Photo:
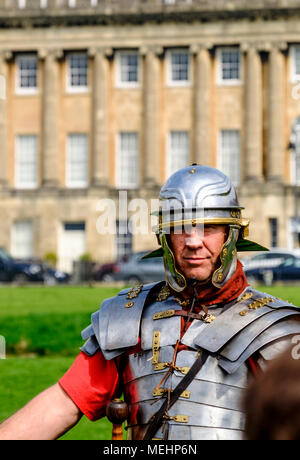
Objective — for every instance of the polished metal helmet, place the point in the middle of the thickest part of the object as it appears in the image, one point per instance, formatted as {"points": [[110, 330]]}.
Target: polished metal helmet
{"points": [[198, 195]]}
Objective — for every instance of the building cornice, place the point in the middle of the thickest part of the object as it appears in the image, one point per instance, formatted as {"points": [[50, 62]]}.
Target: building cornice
{"points": [[139, 12]]}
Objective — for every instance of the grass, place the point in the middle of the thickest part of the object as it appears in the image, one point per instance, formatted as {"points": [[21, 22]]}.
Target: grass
{"points": [[48, 321], [23, 378], [45, 322]]}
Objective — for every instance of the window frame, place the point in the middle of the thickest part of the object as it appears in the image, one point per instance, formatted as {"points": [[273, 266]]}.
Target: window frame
{"points": [[82, 184], [127, 84], [169, 170], [31, 185], [76, 89], [31, 90], [180, 83], [294, 78], [231, 81], [14, 242], [123, 240], [127, 186], [220, 150]]}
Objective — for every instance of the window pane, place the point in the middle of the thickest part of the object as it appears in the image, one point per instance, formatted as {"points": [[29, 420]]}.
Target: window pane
{"points": [[178, 150], [230, 155], [297, 60], [297, 153], [77, 160], [27, 72], [179, 66], [22, 239], [123, 239], [128, 160], [273, 225], [26, 161], [78, 70], [129, 67], [230, 61]]}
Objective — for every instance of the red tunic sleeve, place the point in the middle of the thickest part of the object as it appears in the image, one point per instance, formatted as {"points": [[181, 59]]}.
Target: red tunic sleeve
{"points": [[91, 383]]}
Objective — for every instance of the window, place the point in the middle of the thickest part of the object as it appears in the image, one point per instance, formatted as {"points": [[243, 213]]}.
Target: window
{"points": [[26, 161], [123, 239], [21, 4], [43, 3], [229, 65], [26, 73], [178, 151], [273, 225], [127, 162], [127, 68], [295, 153], [77, 75], [295, 63], [229, 154], [22, 239], [178, 67], [77, 161]]}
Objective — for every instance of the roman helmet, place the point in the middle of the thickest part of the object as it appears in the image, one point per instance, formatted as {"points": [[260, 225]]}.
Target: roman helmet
{"points": [[198, 195]]}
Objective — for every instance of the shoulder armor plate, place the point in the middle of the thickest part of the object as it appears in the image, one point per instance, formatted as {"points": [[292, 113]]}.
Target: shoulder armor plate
{"points": [[252, 322], [116, 325]]}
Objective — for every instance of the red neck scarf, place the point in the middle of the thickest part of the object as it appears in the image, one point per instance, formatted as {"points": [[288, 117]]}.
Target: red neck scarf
{"points": [[210, 295]]}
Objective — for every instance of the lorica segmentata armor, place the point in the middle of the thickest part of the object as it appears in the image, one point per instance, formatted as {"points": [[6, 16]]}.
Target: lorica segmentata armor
{"points": [[210, 407]]}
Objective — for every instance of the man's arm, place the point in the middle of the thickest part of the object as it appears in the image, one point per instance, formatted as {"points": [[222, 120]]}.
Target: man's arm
{"points": [[47, 416]]}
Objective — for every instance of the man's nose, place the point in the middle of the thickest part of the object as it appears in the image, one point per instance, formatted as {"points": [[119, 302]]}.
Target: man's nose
{"points": [[194, 240]]}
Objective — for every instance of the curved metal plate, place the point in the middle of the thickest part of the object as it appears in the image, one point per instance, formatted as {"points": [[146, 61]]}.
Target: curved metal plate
{"points": [[241, 341], [229, 323], [281, 329]]}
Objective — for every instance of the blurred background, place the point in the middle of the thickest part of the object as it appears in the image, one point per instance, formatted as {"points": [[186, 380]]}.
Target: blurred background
{"points": [[103, 96]]}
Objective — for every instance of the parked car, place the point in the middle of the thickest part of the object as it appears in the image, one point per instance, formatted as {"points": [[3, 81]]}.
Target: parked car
{"points": [[25, 270], [53, 276], [286, 271], [137, 270], [268, 259], [105, 272], [7, 266]]}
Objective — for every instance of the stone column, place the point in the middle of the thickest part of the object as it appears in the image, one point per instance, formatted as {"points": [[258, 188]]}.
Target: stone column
{"points": [[253, 161], [50, 117], [100, 117], [3, 121], [275, 165], [202, 105], [151, 96]]}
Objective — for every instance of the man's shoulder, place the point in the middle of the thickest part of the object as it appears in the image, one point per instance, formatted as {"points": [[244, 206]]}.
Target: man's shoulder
{"points": [[115, 325], [255, 320]]}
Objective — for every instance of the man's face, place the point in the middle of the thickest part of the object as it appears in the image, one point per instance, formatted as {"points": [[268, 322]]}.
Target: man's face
{"points": [[197, 249]]}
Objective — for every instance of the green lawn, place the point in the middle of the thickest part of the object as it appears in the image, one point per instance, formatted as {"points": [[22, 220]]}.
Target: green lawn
{"points": [[42, 327], [23, 378], [48, 320]]}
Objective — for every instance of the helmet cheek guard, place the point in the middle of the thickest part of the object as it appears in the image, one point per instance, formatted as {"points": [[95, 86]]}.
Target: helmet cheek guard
{"points": [[201, 195], [228, 257], [173, 277]]}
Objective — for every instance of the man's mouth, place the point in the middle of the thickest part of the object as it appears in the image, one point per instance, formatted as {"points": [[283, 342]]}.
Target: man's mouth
{"points": [[194, 259]]}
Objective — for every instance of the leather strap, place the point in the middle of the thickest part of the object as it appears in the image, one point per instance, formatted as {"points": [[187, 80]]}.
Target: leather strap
{"points": [[185, 313], [158, 418]]}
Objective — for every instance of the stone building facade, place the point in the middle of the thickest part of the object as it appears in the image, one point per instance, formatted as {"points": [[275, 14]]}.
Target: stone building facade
{"points": [[103, 96]]}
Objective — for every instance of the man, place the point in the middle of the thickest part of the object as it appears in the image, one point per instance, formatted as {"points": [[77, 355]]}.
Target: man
{"points": [[181, 350]]}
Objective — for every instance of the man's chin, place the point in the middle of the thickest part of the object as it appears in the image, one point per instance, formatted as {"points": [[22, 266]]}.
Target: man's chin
{"points": [[201, 277]]}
